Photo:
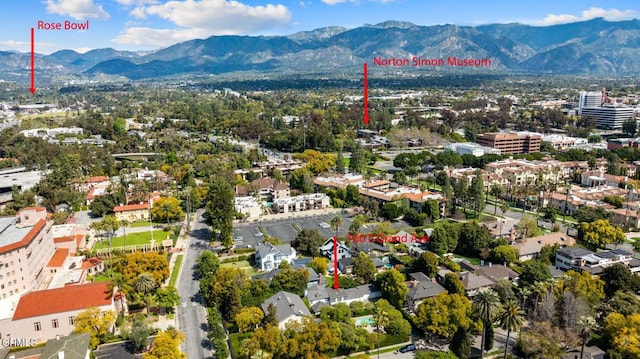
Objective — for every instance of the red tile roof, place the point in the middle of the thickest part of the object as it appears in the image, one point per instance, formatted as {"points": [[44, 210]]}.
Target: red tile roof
{"points": [[60, 300], [57, 260], [77, 238], [91, 262], [37, 209], [30, 236], [131, 207]]}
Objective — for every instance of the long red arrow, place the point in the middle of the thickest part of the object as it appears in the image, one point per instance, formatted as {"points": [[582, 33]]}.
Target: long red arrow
{"points": [[366, 96], [33, 64]]}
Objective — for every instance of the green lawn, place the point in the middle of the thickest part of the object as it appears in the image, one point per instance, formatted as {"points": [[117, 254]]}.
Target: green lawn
{"points": [[176, 269], [244, 265], [474, 261], [146, 224], [101, 278], [133, 239]]}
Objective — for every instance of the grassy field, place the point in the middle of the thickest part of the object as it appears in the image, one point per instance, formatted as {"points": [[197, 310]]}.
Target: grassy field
{"points": [[133, 239], [176, 269], [244, 265]]}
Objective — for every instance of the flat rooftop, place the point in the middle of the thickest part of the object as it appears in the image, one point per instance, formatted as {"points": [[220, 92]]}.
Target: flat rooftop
{"points": [[10, 233]]}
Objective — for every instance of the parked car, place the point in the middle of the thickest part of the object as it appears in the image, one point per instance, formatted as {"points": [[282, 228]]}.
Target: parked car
{"points": [[408, 348]]}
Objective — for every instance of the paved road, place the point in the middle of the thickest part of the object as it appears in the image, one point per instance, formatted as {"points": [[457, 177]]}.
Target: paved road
{"points": [[192, 319]]}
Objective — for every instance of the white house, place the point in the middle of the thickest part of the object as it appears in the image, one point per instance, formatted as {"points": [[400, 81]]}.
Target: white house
{"points": [[326, 250], [269, 257]]}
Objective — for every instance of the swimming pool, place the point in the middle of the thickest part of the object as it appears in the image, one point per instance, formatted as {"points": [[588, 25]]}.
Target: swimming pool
{"points": [[363, 322]]}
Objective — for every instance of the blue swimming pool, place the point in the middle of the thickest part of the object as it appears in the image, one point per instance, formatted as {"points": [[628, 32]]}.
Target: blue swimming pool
{"points": [[363, 322]]}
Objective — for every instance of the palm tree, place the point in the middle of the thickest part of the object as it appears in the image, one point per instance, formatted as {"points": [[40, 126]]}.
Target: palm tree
{"points": [[124, 223], [380, 319], [496, 191], [511, 319], [335, 223], [145, 283], [586, 324], [486, 306], [123, 286]]}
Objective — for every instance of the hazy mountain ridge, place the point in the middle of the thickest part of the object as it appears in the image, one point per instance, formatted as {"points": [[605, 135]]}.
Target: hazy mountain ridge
{"points": [[595, 47]]}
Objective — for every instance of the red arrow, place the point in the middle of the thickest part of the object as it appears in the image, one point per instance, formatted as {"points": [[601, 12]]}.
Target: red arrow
{"points": [[33, 64], [336, 281], [366, 96]]}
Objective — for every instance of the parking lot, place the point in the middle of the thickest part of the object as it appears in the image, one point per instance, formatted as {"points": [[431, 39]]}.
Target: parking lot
{"points": [[246, 234]]}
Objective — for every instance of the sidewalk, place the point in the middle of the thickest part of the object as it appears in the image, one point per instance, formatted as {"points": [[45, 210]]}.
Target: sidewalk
{"points": [[373, 351], [180, 248]]}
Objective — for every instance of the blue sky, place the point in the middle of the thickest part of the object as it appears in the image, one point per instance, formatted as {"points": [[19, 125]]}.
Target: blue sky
{"points": [[152, 24]]}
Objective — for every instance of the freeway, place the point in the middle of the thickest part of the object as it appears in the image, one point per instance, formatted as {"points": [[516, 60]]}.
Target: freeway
{"points": [[191, 313]]}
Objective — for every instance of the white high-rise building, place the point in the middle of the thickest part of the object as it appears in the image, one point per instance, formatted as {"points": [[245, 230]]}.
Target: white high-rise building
{"points": [[590, 99], [609, 116]]}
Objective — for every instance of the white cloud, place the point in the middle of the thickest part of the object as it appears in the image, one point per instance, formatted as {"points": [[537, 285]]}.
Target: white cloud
{"points": [[200, 19], [221, 15], [591, 13], [136, 2], [77, 9], [148, 37]]}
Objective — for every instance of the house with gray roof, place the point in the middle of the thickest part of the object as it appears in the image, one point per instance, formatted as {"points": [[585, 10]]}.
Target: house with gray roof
{"points": [[289, 307], [474, 282], [421, 287], [529, 248], [269, 256], [320, 296], [568, 257], [314, 278]]}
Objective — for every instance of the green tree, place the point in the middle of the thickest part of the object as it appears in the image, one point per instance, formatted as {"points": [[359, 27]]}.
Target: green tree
{"points": [[359, 160], [139, 335], [93, 321], [461, 343], [166, 345], [363, 268], [453, 284], [476, 193], [528, 227], [623, 302], [504, 254], [308, 241], [619, 277], [533, 271], [226, 291], [249, 318], [427, 263], [584, 286], [473, 238], [167, 298], [220, 210], [335, 223], [207, 264], [599, 233], [486, 306], [340, 165], [624, 332], [431, 208], [134, 264], [122, 286], [144, 284], [302, 179], [391, 211], [444, 314], [271, 317], [167, 209], [511, 319], [630, 127], [393, 287], [435, 355], [319, 265]]}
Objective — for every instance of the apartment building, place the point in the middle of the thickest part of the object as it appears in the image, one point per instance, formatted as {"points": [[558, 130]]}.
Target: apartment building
{"points": [[43, 315], [510, 143], [26, 246]]}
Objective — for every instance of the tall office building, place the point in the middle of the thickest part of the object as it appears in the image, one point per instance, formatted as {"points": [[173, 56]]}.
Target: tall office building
{"points": [[590, 99], [607, 115]]}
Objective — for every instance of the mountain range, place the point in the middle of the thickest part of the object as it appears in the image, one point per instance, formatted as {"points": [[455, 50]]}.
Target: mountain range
{"points": [[594, 47]]}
